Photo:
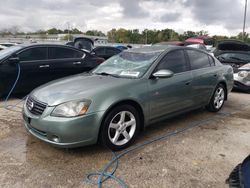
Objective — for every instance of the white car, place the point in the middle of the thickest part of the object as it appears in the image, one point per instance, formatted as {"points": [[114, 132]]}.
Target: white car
{"points": [[8, 44], [242, 78], [2, 47]]}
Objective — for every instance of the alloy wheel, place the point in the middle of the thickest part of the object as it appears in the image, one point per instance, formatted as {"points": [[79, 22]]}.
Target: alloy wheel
{"points": [[122, 128], [219, 97]]}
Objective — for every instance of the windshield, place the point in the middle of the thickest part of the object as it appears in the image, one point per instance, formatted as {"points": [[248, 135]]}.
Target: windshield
{"points": [[235, 57], [8, 51], [127, 64]]}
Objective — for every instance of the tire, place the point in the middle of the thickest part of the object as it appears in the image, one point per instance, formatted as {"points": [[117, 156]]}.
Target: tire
{"points": [[218, 99], [120, 127]]}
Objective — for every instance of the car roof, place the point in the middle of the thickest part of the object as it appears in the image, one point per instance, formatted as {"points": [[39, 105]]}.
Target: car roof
{"points": [[175, 43], [42, 44], [152, 49], [105, 47], [27, 45]]}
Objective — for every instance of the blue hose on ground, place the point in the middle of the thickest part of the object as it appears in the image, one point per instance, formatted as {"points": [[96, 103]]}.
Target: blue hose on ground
{"points": [[105, 175], [10, 107]]}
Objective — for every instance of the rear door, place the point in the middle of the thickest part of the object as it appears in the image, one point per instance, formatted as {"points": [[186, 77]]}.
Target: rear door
{"points": [[67, 61], [169, 95], [204, 76]]}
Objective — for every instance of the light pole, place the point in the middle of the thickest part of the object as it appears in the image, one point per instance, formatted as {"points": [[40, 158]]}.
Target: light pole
{"points": [[68, 26], [146, 36], [244, 23]]}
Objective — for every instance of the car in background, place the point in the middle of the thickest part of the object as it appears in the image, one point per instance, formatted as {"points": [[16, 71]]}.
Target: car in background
{"points": [[234, 58], [105, 51], [233, 52], [173, 43], [197, 46], [231, 46], [41, 63], [121, 47], [205, 40], [2, 47], [242, 78], [239, 177], [8, 44], [82, 43], [127, 92]]}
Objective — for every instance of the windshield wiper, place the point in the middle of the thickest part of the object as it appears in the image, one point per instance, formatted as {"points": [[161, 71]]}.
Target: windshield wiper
{"points": [[107, 74]]}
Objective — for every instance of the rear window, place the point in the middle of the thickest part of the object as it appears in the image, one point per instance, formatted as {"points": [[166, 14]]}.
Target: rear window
{"points": [[112, 51], [198, 59], [62, 53], [99, 51]]}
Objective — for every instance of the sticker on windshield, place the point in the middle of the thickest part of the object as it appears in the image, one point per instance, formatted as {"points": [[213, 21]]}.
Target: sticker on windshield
{"points": [[130, 73]]}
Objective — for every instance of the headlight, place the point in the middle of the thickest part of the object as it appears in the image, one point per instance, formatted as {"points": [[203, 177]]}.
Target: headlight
{"points": [[243, 74], [71, 109]]}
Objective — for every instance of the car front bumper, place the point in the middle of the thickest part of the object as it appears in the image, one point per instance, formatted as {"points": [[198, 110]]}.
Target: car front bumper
{"points": [[241, 86], [241, 83], [64, 132]]}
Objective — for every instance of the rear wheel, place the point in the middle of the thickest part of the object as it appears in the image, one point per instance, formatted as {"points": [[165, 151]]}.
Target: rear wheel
{"points": [[120, 127], [218, 99]]}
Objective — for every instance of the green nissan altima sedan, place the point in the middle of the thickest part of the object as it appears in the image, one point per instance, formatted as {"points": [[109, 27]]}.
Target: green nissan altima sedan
{"points": [[126, 93]]}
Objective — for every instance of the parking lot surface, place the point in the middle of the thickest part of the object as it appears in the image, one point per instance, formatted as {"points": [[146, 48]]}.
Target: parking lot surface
{"points": [[201, 157]]}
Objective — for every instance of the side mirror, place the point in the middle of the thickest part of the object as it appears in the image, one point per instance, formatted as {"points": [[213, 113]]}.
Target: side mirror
{"points": [[14, 60], [163, 74]]}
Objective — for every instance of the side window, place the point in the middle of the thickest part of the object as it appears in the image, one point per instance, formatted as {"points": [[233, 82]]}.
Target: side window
{"points": [[33, 54], [211, 60], [111, 51], [64, 53], [174, 61], [99, 51], [198, 59]]}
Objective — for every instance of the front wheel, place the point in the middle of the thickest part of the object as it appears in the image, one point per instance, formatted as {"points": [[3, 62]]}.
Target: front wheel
{"points": [[120, 127], [218, 99]]}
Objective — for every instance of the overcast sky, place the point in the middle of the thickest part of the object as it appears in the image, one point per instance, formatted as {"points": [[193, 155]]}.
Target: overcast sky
{"points": [[221, 17]]}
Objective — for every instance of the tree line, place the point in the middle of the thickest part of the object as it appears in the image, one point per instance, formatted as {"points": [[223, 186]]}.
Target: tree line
{"points": [[133, 36]]}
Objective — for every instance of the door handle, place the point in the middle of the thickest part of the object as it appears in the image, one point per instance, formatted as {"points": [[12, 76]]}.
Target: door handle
{"points": [[215, 75], [44, 66], [188, 83], [77, 63]]}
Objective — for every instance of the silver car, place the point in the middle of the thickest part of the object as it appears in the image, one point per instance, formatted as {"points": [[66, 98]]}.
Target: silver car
{"points": [[242, 78]]}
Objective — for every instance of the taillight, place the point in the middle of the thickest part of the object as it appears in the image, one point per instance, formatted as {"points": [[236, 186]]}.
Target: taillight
{"points": [[99, 61]]}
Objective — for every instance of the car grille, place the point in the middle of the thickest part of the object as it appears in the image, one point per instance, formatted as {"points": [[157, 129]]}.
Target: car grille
{"points": [[35, 107]]}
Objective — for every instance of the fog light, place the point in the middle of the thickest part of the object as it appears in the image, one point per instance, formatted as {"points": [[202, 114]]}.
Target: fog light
{"points": [[55, 138]]}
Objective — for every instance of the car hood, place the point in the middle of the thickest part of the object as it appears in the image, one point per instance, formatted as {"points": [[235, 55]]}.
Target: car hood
{"points": [[82, 86], [233, 45]]}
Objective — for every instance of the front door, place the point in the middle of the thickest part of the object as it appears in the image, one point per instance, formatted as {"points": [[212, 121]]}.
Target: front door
{"points": [[34, 68], [169, 95]]}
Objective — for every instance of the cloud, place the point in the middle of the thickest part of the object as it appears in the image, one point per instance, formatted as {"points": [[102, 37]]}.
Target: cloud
{"points": [[133, 9], [218, 17], [170, 17], [228, 13]]}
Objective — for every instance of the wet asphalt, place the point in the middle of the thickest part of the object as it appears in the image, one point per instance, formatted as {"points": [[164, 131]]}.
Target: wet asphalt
{"points": [[201, 157]]}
